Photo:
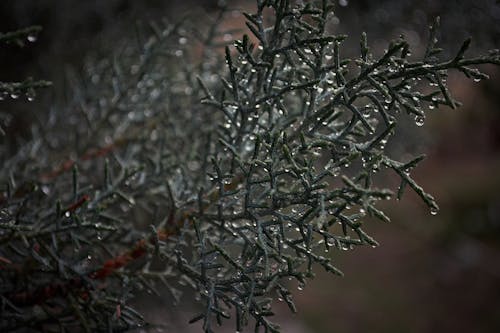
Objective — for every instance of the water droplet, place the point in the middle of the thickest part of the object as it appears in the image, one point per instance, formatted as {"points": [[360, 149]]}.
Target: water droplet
{"points": [[14, 95], [343, 3], [366, 113], [31, 38], [419, 120], [434, 211], [248, 146], [30, 95]]}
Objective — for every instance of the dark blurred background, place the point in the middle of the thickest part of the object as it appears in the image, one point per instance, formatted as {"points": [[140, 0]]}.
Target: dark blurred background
{"points": [[431, 273]]}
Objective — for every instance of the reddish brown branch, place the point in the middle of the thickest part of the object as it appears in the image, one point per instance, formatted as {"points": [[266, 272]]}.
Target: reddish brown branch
{"points": [[94, 153], [113, 264], [74, 206], [139, 250], [45, 293], [89, 155], [5, 260]]}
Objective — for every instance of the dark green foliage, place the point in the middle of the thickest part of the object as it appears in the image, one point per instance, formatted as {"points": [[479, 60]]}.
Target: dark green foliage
{"points": [[139, 186], [27, 87], [15, 89]]}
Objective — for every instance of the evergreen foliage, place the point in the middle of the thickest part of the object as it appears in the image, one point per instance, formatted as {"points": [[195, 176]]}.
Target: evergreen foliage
{"points": [[230, 173], [27, 87]]}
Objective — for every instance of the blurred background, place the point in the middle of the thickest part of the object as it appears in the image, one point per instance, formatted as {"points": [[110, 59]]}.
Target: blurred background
{"points": [[431, 273]]}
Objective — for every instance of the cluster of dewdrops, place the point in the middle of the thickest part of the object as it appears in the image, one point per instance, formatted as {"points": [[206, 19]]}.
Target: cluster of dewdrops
{"points": [[15, 93]]}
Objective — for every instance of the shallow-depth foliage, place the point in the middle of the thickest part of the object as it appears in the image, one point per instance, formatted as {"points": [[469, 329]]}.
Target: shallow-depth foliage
{"points": [[27, 87], [178, 163]]}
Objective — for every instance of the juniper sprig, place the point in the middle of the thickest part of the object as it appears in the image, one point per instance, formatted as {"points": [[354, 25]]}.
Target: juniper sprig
{"points": [[228, 171]]}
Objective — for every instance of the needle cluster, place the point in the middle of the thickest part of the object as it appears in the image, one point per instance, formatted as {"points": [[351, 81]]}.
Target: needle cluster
{"points": [[230, 171]]}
